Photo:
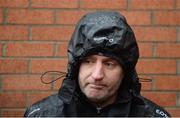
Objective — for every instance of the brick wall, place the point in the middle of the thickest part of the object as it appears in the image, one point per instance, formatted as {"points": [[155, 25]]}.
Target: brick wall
{"points": [[34, 36]]}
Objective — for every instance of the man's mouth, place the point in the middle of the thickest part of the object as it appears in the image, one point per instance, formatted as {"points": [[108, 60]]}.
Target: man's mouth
{"points": [[97, 86]]}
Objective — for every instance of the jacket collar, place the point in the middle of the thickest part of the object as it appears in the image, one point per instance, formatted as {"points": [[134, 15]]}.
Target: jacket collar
{"points": [[66, 92], [118, 108]]}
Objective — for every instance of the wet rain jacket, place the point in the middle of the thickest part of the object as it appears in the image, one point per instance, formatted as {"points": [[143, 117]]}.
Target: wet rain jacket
{"points": [[105, 33]]}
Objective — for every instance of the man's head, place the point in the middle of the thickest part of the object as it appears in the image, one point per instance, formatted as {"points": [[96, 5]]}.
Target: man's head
{"points": [[97, 36]]}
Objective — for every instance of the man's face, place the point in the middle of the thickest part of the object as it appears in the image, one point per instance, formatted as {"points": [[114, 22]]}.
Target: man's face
{"points": [[100, 78]]}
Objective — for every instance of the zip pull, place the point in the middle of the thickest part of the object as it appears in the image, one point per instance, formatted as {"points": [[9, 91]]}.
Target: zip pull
{"points": [[98, 110]]}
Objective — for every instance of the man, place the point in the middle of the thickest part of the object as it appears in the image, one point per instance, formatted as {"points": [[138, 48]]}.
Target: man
{"points": [[101, 78]]}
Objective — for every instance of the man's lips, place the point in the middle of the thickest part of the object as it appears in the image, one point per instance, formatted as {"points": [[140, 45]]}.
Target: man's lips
{"points": [[97, 86]]}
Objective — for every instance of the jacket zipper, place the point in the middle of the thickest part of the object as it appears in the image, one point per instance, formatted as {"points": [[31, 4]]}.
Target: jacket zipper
{"points": [[98, 110]]}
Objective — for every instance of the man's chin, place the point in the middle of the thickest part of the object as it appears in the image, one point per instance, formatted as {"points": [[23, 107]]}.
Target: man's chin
{"points": [[96, 98]]}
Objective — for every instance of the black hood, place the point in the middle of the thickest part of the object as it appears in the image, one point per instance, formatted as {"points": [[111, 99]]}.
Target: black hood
{"points": [[105, 32], [109, 34]]}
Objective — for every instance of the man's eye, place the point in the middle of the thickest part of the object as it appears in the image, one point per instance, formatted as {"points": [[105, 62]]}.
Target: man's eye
{"points": [[87, 61], [110, 65]]}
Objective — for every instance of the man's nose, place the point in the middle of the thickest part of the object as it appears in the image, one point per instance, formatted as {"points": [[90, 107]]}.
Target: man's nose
{"points": [[97, 72]]}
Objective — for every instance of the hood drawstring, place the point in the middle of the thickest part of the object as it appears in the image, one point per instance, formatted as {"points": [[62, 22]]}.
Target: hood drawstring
{"points": [[63, 74], [44, 77], [144, 79]]}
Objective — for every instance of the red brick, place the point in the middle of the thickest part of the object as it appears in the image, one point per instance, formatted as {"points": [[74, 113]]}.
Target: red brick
{"points": [[167, 83], [58, 83], [13, 113], [29, 49], [137, 17], [34, 97], [12, 100], [174, 112], [146, 84], [14, 3], [156, 66], [41, 66], [1, 49], [152, 4], [155, 34], [24, 82], [54, 3], [52, 33], [161, 98], [145, 49], [62, 49], [13, 66], [103, 4], [168, 50], [167, 18], [1, 16], [178, 6], [21, 16], [69, 17], [13, 33]]}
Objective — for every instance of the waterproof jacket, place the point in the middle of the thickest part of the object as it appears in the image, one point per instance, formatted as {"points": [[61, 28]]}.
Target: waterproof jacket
{"points": [[64, 104], [108, 34]]}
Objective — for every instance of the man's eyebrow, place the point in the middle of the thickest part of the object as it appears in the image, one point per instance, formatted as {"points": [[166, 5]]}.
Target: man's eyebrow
{"points": [[111, 60], [88, 57]]}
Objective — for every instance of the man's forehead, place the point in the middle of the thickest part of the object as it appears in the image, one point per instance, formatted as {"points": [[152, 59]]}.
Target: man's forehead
{"points": [[102, 57]]}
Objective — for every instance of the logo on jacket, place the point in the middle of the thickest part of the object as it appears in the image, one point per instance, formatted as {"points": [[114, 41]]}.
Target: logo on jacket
{"points": [[99, 39], [158, 111]]}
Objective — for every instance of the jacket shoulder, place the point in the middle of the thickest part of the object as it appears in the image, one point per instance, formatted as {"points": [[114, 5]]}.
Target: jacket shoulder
{"points": [[49, 106], [156, 110]]}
